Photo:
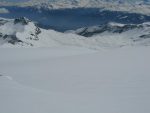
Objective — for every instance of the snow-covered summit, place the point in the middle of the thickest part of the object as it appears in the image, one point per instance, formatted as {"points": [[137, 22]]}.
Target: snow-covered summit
{"points": [[22, 32], [18, 31]]}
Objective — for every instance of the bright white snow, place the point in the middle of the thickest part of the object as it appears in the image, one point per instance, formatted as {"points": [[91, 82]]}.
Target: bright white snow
{"points": [[74, 80]]}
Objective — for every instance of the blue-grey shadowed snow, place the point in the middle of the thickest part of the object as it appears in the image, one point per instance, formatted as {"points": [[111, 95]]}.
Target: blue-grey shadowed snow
{"points": [[71, 19]]}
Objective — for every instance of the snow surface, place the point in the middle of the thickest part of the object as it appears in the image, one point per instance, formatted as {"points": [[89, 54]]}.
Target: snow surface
{"points": [[113, 35], [74, 80]]}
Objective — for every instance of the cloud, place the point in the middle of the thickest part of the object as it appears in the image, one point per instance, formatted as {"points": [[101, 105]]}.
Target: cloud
{"points": [[3, 10]]}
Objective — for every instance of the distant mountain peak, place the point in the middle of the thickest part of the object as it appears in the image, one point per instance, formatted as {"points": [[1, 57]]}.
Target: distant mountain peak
{"points": [[132, 6]]}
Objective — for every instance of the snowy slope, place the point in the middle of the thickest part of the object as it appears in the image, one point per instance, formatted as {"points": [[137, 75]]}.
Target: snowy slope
{"points": [[61, 80], [115, 28], [23, 32], [126, 34]]}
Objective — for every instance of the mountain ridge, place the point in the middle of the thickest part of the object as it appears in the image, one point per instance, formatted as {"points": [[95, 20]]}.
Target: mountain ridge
{"points": [[139, 6], [22, 32]]}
